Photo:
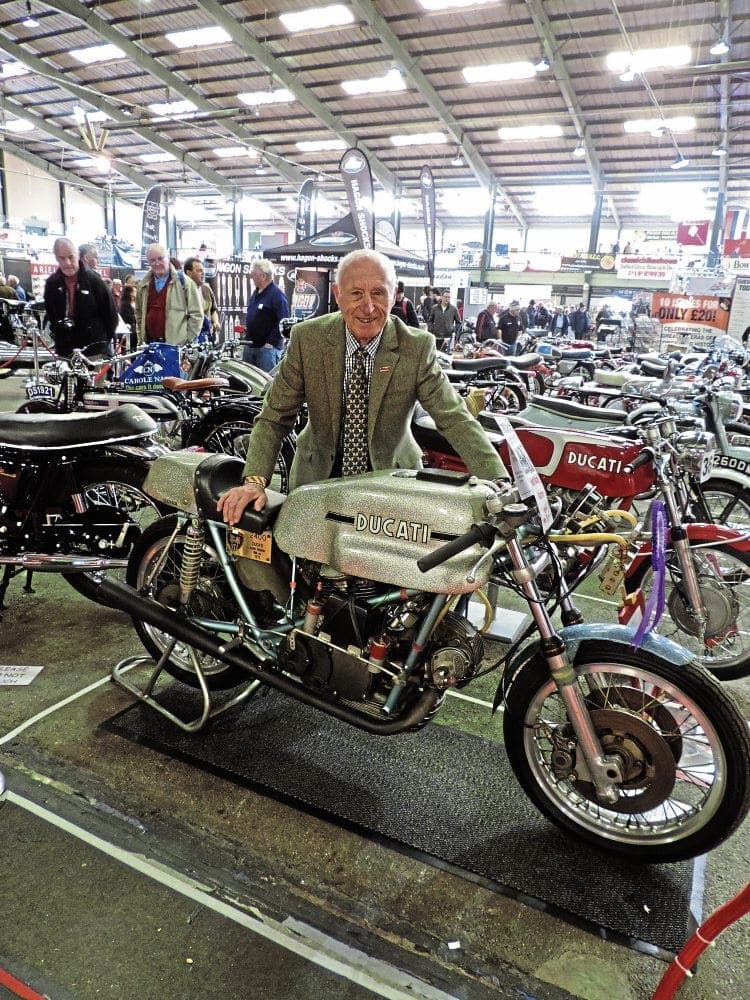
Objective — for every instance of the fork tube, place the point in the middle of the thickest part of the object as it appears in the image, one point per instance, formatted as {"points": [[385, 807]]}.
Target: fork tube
{"points": [[681, 545]]}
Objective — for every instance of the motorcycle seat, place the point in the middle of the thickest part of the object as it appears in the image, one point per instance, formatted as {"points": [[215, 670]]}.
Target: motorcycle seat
{"points": [[174, 384], [567, 408], [575, 354], [480, 364], [46, 432], [525, 361], [220, 473], [618, 378]]}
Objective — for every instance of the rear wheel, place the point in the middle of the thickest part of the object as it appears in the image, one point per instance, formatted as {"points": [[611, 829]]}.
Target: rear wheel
{"points": [[727, 503], [231, 438], [678, 741]]}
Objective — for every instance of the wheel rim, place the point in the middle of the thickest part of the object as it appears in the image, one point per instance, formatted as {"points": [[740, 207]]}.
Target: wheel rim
{"points": [[680, 802], [233, 438], [127, 499], [729, 509]]}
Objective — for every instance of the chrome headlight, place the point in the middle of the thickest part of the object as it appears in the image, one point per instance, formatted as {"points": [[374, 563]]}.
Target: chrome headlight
{"points": [[730, 405], [695, 451]]}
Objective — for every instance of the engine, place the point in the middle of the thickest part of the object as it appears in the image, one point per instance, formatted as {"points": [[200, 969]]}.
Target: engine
{"points": [[354, 643]]}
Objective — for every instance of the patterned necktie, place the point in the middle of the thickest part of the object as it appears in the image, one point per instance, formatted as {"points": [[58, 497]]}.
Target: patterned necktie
{"points": [[355, 458]]}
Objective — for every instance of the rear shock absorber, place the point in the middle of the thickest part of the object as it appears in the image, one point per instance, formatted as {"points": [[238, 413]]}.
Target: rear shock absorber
{"points": [[192, 552]]}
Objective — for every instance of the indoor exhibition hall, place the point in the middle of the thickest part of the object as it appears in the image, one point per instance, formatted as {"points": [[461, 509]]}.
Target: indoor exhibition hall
{"points": [[375, 499]]}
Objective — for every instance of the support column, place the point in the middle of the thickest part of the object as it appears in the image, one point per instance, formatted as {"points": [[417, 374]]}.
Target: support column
{"points": [[237, 230], [489, 230], [63, 206], [596, 220], [3, 191]]}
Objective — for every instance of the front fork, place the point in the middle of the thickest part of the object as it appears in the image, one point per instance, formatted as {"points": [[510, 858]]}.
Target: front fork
{"points": [[605, 771], [690, 586]]}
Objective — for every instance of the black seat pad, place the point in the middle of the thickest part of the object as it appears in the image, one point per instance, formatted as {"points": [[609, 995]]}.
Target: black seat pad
{"points": [[480, 364], [569, 408], [44, 431], [220, 473], [576, 354]]}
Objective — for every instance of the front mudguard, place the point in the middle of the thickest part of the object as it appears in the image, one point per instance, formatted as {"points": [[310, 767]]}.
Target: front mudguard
{"points": [[574, 635], [698, 533]]}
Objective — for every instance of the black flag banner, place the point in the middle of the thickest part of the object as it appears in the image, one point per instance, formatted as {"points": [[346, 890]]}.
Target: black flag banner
{"points": [[427, 187], [357, 177], [150, 224], [305, 226]]}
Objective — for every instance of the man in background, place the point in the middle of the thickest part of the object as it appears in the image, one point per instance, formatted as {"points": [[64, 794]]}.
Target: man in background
{"points": [[18, 288], [89, 255], [267, 307], [193, 268], [510, 327], [168, 306], [486, 326], [444, 321], [79, 307], [404, 308]]}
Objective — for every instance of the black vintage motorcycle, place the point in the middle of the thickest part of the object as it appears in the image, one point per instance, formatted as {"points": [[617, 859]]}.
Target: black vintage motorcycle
{"points": [[351, 596], [71, 497]]}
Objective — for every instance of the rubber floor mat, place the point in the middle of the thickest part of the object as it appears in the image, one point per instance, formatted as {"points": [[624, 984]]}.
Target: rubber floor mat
{"points": [[447, 795]]}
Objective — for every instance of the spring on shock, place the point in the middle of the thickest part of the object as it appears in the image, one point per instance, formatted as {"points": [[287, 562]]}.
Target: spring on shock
{"points": [[190, 567]]}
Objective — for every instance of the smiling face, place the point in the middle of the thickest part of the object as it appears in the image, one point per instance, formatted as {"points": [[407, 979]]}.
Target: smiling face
{"points": [[364, 296]]}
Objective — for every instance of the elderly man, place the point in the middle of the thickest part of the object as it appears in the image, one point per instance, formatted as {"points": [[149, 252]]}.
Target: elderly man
{"points": [[78, 305], [267, 307], [193, 268], [89, 255], [361, 371], [168, 305], [18, 288]]}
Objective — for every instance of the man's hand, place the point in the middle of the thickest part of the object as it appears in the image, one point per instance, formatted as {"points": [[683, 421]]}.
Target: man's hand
{"points": [[233, 503]]}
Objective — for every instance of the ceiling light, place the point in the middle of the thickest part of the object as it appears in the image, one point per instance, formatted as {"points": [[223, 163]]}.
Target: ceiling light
{"points": [[580, 150], [261, 168], [82, 117], [10, 69], [642, 60], [317, 17], [172, 108], [17, 125], [161, 157], [30, 21], [720, 47], [720, 150], [541, 64], [458, 160], [224, 152], [392, 81], [657, 126], [464, 201], [525, 133], [436, 5], [255, 97], [419, 139], [627, 75], [679, 163], [666, 199], [196, 38], [97, 54], [565, 200], [320, 145], [498, 72]]}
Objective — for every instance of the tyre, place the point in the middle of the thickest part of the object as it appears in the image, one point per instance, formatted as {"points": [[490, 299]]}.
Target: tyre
{"points": [[724, 579], [231, 438], [154, 570], [727, 503], [506, 399], [677, 738], [114, 493]]}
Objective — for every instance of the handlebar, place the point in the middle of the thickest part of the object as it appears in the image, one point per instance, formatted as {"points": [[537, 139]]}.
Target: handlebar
{"points": [[478, 534], [646, 456]]}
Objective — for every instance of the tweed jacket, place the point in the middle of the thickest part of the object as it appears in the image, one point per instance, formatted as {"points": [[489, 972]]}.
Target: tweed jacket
{"points": [[184, 311], [405, 372]]}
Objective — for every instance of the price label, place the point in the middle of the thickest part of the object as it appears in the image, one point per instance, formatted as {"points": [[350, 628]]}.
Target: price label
{"points": [[525, 476]]}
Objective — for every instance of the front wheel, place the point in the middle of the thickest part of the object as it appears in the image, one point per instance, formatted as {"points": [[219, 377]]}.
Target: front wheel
{"points": [[678, 740]]}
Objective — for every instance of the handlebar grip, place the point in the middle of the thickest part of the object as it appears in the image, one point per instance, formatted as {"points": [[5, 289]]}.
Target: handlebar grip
{"points": [[646, 456], [481, 534]]}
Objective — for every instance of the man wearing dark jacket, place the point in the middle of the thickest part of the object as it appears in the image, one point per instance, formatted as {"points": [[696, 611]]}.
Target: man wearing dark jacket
{"points": [[404, 308], [79, 307]]}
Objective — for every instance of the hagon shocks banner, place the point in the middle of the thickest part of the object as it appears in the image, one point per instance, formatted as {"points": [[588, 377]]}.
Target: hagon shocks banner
{"points": [[427, 188], [696, 317], [150, 223], [355, 172], [305, 226]]}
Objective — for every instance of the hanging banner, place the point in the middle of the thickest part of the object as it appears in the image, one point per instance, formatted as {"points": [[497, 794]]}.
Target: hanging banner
{"points": [[355, 172], [736, 241], [150, 223], [699, 317], [305, 226], [427, 187], [693, 234]]}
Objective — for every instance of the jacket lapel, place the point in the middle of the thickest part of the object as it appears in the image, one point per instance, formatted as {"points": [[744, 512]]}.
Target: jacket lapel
{"points": [[332, 351], [386, 360]]}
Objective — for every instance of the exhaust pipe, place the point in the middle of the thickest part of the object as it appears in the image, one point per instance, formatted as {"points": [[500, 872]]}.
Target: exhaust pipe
{"points": [[122, 596], [42, 562]]}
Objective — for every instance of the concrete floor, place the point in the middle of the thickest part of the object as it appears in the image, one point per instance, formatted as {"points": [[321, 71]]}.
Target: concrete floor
{"points": [[127, 874]]}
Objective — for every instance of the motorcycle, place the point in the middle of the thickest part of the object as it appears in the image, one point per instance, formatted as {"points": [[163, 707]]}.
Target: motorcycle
{"points": [[708, 564], [635, 751], [71, 497]]}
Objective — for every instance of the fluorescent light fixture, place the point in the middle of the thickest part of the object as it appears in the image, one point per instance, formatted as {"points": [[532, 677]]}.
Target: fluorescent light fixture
{"points": [[656, 126], [332, 16], [10, 69], [565, 199], [542, 64], [419, 139], [679, 163], [627, 76], [225, 152], [642, 60], [172, 108], [197, 38], [720, 47], [668, 199], [161, 157], [392, 81], [319, 145], [100, 162], [97, 54], [720, 150], [17, 125], [435, 5], [464, 201], [253, 98], [82, 116], [499, 72], [525, 133]]}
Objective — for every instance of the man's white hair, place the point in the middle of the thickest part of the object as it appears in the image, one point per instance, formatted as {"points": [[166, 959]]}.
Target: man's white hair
{"points": [[265, 266], [372, 257]]}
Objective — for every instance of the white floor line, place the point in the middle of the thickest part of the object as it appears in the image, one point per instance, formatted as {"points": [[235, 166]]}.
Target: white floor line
{"points": [[474, 701], [357, 967]]}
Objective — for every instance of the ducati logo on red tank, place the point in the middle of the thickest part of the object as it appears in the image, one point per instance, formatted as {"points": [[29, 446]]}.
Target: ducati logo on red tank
{"points": [[599, 463]]}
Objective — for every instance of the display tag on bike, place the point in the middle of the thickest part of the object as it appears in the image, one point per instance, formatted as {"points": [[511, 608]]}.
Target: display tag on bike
{"points": [[526, 478], [246, 545]]}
